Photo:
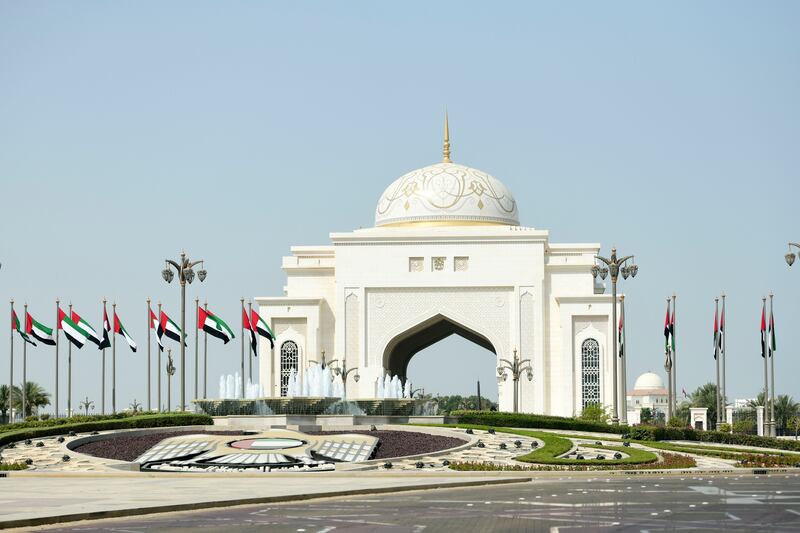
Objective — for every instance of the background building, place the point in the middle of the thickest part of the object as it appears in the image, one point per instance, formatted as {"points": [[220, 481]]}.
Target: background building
{"points": [[447, 256]]}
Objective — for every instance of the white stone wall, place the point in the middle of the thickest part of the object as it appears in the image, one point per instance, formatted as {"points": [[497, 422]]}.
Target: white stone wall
{"points": [[506, 284]]}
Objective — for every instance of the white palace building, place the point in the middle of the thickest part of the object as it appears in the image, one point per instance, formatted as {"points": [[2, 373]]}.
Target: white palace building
{"points": [[447, 256]]}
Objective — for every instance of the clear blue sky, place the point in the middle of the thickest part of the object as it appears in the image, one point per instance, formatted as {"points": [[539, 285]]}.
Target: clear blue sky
{"points": [[234, 130]]}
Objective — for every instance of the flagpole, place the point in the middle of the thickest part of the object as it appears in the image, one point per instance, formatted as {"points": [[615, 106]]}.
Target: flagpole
{"points": [[716, 357], [723, 355], [242, 301], [673, 350], [250, 352], [773, 429], [764, 355], [148, 355], [114, 359], [103, 371], [196, 348], [69, 368], [205, 358], [623, 371], [11, 369], [158, 402], [668, 365], [57, 336], [25, 366]]}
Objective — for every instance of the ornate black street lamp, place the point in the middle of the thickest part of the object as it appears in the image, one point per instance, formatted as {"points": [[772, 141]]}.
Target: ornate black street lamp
{"points": [[344, 372], [517, 367], [615, 266], [184, 268]]}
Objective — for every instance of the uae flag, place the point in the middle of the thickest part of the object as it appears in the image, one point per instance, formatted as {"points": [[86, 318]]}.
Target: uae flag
{"points": [[214, 326], [119, 329], [156, 325], [93, 336], [263, 328], [763, 330], [39, 331], [171, 329], [716, 335], [15, 327], [722, 330], [666, 331], [106, 342], [248, 326], [74, 333], [672, 329], [772, 345]]}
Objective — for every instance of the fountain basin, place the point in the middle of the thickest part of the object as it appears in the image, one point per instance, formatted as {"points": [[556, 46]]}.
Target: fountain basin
{"points": [[311, 406]]}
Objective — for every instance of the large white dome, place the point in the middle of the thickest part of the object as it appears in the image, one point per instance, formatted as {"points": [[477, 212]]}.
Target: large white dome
{"points": [[648, 381], [446, 193]]}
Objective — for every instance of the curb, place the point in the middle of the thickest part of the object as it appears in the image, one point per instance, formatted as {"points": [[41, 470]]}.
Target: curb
{"points": [[118, 513]]}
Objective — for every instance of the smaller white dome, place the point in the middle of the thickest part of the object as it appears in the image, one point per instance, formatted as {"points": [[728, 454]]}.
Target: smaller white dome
{"points": [[647, 381]]}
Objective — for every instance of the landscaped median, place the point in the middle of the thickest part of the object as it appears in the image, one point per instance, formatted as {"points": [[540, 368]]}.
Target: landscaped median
{"points": [[636, 433], [549, 456]]}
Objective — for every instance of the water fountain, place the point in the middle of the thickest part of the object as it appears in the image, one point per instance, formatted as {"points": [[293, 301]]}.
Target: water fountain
{"points": [[316, 390]]}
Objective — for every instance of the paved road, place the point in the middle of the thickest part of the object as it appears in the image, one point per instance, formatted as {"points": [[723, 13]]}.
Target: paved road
{"points": [[745, 503]]}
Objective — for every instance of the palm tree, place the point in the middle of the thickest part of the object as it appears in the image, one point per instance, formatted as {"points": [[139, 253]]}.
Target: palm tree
{"points": [[4, 401], [35, 397], [758, 402], [785, 409]]}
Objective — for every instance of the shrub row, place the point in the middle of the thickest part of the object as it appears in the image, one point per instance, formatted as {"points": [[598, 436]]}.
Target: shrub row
{"points": [[49, 422], [130, 422], [655, 433], [523, 420]]}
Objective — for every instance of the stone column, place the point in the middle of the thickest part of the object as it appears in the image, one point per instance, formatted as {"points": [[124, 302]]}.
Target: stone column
{"points": [[760, 420], [729, 416]]}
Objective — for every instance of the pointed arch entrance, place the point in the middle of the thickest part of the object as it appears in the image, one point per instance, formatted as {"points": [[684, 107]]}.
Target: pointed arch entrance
{"points": [[400, 349]]}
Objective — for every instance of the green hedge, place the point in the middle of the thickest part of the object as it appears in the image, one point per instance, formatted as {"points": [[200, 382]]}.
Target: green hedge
{"points": [[129, 422], [50, 422], [656, 433], [522, 420]]}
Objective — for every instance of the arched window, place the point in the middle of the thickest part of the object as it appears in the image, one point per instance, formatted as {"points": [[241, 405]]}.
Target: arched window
{"points": [[289, 361], [590, 372]]}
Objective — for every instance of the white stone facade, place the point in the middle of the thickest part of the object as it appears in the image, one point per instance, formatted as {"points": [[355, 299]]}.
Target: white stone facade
{"points": [[377, 296]]}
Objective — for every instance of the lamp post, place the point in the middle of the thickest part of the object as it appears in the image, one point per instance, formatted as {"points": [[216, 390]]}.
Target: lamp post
{"points": [[184, 268], [616, 266], [517, 367], [87, 404], [344, 372]]}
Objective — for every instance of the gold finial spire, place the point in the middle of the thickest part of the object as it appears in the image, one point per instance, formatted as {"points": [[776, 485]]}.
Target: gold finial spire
{"points": [[446, 149]]}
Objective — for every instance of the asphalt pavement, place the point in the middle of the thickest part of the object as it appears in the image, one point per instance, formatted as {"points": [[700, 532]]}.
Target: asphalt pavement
{"points": [[604, 503]]}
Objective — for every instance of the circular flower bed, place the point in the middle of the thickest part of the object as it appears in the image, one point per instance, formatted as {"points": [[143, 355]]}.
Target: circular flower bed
{"points": [[128, 447]]}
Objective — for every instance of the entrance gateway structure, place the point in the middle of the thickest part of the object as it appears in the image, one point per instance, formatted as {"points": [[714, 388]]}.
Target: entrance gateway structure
{"points": [[447, 256]]}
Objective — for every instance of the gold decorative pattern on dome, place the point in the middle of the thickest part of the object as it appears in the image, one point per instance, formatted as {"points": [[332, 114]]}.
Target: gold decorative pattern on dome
{"points": [[447, 191]]}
